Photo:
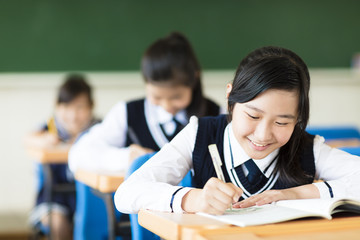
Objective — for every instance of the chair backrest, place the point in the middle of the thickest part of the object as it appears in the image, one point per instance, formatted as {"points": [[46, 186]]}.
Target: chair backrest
{"points": [[334, 132], [352, 150], [90, 220], [138, 232]]}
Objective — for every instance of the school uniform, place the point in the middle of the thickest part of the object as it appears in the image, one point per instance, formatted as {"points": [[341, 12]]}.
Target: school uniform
{"points": [[153, 186], [106, 146], [63, 203]]}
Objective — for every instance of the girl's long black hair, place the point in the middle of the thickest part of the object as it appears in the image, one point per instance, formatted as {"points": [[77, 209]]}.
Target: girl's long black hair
{"points": [[277, 68], [171, 61]]}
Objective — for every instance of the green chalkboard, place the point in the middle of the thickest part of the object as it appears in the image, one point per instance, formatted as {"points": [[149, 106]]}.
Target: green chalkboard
{"points": [[109, 35]]}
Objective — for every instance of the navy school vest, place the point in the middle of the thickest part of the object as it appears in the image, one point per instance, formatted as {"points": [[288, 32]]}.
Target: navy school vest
{"points": [[211, 130], [136, 119]]}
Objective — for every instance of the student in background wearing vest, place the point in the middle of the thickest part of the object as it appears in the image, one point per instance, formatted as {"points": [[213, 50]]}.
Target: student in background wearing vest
{"points": [[131, 129], [266, 154], [72, 115]]}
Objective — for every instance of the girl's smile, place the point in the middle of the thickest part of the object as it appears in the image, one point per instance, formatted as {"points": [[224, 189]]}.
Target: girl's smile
{"points": [[265, 123], [257, 146]]}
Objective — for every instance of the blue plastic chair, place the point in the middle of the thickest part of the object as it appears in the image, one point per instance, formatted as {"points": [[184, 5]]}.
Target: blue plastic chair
{"points": [[352, 150], [334, 132], [137, 231], [90, 220]]}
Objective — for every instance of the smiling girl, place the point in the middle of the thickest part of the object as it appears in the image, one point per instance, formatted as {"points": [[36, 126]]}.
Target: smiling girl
{"points": [[73, 114], [267, 154]]}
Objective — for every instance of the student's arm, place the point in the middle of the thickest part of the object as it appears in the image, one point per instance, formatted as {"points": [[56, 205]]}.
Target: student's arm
{"points": [[269, 196], [153, 185], [339, 169], [102, 148], [41, 139]]}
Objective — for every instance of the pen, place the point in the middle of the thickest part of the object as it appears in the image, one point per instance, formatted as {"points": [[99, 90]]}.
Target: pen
{"points": [[215, 156], [52, 127]]}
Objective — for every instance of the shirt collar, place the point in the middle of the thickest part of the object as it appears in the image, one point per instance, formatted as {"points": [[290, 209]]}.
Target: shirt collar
{"points": [[165, 117], [239, 154]]}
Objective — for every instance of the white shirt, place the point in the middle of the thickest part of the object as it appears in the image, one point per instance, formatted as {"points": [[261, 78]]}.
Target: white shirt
{"points": [[103, 147], [152, 186]]}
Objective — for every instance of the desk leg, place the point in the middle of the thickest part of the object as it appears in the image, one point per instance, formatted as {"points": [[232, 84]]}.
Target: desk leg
{"points": [[111, 215], [48, 186]]}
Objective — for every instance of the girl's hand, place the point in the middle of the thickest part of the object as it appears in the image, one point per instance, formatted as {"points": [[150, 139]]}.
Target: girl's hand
{"points": [[42, 139], [214, 198], [137, 151], [50, 139], [269, 196], [266, 197]]}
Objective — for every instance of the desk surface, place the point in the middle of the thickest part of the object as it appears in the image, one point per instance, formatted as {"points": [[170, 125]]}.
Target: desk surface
{"points": [[350, 142], [105, 182], [57, 154], [192, 226]]}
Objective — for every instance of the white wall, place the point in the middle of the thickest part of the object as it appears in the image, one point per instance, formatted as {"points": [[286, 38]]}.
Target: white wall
{"points": [[28, 99]]}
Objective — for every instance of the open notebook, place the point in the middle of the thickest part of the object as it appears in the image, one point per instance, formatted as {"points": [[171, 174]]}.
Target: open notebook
{"points": [[287, 210]]}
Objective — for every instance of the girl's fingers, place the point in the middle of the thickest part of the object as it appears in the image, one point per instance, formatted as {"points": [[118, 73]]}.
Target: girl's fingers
{"points": [[219, 195], [237, 194], [216, 206], [261, 199]]}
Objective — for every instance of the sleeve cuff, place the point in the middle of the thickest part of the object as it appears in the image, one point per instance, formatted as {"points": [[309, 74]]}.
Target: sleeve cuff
{"points": [[176, 204], [323, 189], [330, 190]]}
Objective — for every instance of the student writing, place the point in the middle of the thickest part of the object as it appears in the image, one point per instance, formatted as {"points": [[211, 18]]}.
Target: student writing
{"points": [[72, 115], [266, 154], [172, 78]]}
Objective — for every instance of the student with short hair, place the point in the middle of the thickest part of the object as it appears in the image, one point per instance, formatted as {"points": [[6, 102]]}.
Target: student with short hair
{"points": [[73, 115]]}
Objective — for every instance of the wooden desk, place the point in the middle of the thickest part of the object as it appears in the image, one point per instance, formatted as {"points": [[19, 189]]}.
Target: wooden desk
{"points": [[192, 226], [176, 225], [232, 235], [56, 154], [46, 157], [350, 142], [104, 184]]}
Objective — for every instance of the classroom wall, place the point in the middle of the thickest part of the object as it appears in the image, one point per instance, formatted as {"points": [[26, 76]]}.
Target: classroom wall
{"points": [[27, 99]]}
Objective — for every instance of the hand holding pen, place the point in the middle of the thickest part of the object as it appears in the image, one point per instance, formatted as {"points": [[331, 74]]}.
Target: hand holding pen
{"points": [[215, 156], [215, 197]]}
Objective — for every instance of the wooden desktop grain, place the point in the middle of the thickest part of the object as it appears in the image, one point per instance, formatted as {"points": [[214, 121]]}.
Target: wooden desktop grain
{"points": [[192, 226], [349, 142], [103, 181], [56, 154]]}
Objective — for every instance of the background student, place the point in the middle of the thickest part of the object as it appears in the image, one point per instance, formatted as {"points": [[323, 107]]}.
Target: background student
{"points": [[173, 88], [266, 154], [72, 115]]}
